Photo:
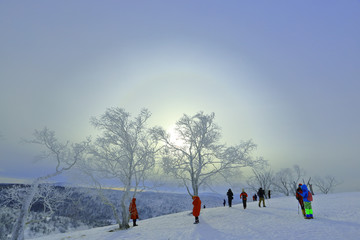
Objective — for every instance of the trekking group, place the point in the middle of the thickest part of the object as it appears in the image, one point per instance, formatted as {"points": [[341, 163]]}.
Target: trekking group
{"points": [[303, 195]]}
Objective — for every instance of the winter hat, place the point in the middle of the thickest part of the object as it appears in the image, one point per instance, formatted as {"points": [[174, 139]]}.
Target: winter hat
{"points": [[300, 184]]}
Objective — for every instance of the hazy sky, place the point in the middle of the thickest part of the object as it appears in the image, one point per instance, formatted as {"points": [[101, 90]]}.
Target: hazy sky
{"points": [[283, 73]]}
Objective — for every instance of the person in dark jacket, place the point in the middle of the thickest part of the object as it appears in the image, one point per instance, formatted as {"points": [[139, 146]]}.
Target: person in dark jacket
{"points": [[133, 211], [300, 199], [269, 194], [224, 202], [261, 194], [307, 202], [196, 209], [255, 197], [230, 196], [243, 196]]}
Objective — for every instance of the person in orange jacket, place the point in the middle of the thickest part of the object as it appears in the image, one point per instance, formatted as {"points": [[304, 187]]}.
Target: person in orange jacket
{"points": [[133, 211], [196, 209], [243, 196]]}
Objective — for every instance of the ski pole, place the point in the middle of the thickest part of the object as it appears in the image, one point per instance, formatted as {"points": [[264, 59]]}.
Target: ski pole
{"points": [[298, 208]]}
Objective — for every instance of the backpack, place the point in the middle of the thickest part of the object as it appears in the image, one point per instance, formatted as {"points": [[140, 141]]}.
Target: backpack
{"points": [[309, 198]]}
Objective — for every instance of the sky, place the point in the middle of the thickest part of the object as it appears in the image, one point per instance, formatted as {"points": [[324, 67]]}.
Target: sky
{"points": [[282, 73], [280, 220]]}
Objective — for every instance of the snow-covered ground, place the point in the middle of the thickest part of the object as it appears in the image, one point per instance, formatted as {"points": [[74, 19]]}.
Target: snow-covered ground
{"points": [[336, 216]]}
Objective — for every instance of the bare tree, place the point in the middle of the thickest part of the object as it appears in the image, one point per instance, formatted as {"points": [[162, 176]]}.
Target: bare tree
{"points": [[326, 184], [283, 181], [309, 184], [286, 180], [126, 151], [197, 156], [11, 196], [48, 195], [298, 173], [93, 177], [263, 177], [51, 197], [65, 156]]}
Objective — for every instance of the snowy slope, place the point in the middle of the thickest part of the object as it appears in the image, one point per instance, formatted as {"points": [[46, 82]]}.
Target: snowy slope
{"points": [[336, 216]]}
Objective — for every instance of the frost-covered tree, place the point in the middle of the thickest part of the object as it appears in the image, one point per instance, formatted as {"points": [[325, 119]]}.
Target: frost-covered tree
{"points": [[50, 198], [326, 184], [263, 177], [125, 151], [11, 196], [47, 198], [65, 155], [196, 155], [9, 205], [94, 181], [285, 180], [309, 184]]}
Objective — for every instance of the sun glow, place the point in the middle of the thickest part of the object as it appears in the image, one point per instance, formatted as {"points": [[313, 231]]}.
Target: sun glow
{"points": [[174, 136]]}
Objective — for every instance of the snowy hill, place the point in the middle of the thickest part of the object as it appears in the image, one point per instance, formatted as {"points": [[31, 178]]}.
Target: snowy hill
{"points": [[336, 216]]}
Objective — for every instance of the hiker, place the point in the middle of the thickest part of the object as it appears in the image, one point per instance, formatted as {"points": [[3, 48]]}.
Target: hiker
{"points": [[300, 199], [230, 196], [224, 202], [255, 197], [243, 196], [269, 194], [196, 209], [307, 198], [133, 211], [261, 194]]}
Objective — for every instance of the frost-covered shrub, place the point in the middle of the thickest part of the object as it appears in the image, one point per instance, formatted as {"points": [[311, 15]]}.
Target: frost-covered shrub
{"points": [[83, 209]]}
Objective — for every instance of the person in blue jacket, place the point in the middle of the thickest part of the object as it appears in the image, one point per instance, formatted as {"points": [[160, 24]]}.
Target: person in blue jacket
{"points": [[307, 198]]}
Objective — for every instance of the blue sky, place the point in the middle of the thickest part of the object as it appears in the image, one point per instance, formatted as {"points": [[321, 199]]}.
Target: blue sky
{"points": [[283, 73]]}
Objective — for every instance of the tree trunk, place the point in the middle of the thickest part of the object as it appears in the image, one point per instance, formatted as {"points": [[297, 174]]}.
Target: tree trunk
{"points": [[116, 215], [19, 226], [125, 217], [125, 210]]}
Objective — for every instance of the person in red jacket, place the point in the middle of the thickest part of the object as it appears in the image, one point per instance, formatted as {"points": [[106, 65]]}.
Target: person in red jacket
{"points": [[243, 196], [300, 199], [307, 198], [196, 209], [133, 211]]}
